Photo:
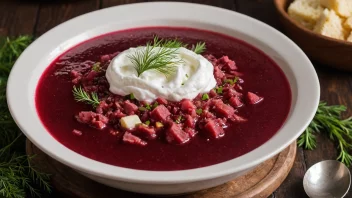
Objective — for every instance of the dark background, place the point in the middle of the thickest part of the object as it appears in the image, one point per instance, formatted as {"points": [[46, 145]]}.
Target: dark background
{"points": [[36, 17]]}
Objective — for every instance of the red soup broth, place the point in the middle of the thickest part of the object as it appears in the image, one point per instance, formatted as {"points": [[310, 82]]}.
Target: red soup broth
{"points": [[57, 108]]}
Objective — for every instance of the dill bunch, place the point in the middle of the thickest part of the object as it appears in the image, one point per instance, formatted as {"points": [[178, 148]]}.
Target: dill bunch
{"points": [[328, 120], [17, 175]]}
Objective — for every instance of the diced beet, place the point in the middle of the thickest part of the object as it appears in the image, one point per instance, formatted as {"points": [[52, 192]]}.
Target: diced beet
{"points": [[175, 110], [146, 131], [77, 132], [224, 110], [235, 102], [160, 113], [189, 121], [212, 93], [222, 122], [104, 58], [238, 119], [176, 135], [211, 58], [75, 74], [76, 80], [229, 92], [214, 129], [162, 101], [227, 63], [253, 98], [191, 132], [132, 139], [118, 114], [102, 107], [117, 105], [187, 106], [91, 75], [129, 107], [218, 74], [98, 121]]}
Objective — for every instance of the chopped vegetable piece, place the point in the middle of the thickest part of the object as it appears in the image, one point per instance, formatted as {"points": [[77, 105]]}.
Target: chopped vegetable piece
{"points": [[142, 109], [235, 80], [96, 67], [132, 96], [129, 122], [219, 89], [159, 125], [147, 122], [199, 111], [179, 119], [205, 97], [155, 105]]}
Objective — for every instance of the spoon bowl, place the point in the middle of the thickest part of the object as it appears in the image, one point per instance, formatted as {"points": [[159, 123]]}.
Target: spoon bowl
{"points": [[327, 179]]}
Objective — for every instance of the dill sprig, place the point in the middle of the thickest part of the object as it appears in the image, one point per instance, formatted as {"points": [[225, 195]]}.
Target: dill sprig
{"points": [[17, 174], [328, 119], [82, 96], [161, 55]]}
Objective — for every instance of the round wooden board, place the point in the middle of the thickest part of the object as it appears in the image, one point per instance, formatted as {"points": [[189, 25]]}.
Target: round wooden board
{"points": [[260, 182]]}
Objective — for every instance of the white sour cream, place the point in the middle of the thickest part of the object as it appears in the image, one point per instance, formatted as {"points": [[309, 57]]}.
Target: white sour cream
{"points": [[194, 75]]}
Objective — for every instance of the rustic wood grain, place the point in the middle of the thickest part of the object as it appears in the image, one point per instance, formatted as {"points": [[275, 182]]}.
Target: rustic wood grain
{"points": [[260, 182], [326, 50], [56, 12], [17, 17]]}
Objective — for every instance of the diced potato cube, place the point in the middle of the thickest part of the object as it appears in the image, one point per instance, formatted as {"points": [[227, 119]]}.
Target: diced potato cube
{"points": [[129, 122], [305, 12], [158, 125], [330, 24], [341, 7], [348, 24]]}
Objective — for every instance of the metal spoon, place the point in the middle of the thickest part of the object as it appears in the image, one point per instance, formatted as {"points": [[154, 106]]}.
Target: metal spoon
{"points": [[327, 179]]}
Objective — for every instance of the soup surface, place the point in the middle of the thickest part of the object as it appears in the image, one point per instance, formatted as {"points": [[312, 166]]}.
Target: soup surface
{"points": [[257, 93]]}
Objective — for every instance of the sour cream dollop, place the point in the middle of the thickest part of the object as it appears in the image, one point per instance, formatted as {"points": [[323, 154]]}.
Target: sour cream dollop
{"points": [[194, 75]]}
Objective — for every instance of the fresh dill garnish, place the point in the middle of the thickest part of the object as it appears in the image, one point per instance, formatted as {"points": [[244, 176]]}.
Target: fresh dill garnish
{"points": [[232, 81], [235, 79], [199, 48], [82, 96], [328, 119], [199, 111], [132, 96], [155, 105], [17, 174], [205, 97], [219, 89], [96, 67], [147, 122], [148, 107], [179, 119], [161, 55]]}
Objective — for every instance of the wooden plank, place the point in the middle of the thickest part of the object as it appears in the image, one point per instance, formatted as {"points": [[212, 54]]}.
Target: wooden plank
{"points": [[109, 3], [54, 13], [17, 17], [262, 10]]}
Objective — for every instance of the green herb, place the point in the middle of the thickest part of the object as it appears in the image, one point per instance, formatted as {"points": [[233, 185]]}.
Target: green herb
{"points": [[142, 109], [132, 96], [205, 97], [182, 83], [179, 119], [219, 89], [187, 75], [148, 107], [199, 48], [199, 111], [328, 119], [235, 79], [82, 96], [17, 174], [155, 105], [147, 122], [160, 56], [96, 67], [232, 81]]}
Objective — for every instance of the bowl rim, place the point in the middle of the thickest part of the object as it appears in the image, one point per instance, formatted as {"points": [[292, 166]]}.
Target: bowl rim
{"points": [[21, 106], [283, 13]]}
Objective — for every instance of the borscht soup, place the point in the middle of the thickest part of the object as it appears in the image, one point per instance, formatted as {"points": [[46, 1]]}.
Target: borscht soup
{"points": [[162, 98]]}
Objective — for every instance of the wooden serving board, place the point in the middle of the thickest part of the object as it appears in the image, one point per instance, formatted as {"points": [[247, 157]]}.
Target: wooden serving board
{"points": [[260, 182]]}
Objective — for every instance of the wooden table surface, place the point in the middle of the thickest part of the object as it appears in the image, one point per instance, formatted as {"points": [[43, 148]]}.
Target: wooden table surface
{"points": [[36, 17]]}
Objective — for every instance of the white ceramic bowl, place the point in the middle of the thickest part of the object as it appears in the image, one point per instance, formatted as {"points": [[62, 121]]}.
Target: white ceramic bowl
{"points": [[38, 56]]}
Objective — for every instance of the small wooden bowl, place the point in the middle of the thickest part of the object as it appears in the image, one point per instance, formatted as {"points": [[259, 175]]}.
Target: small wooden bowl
{"points": [[325, 50]]}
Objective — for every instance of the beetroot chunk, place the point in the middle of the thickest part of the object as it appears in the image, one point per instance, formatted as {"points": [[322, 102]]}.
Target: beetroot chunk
{"points": [[146, 131], [176, 135], [162, 101], [227, 63], [224, 110], [191, 132], [214, 129], [189, 121], [235, 102], [132, 139], [160, 113], [94, 119], [253, 98], [187, 106], [129, 107], [238, 119]]}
